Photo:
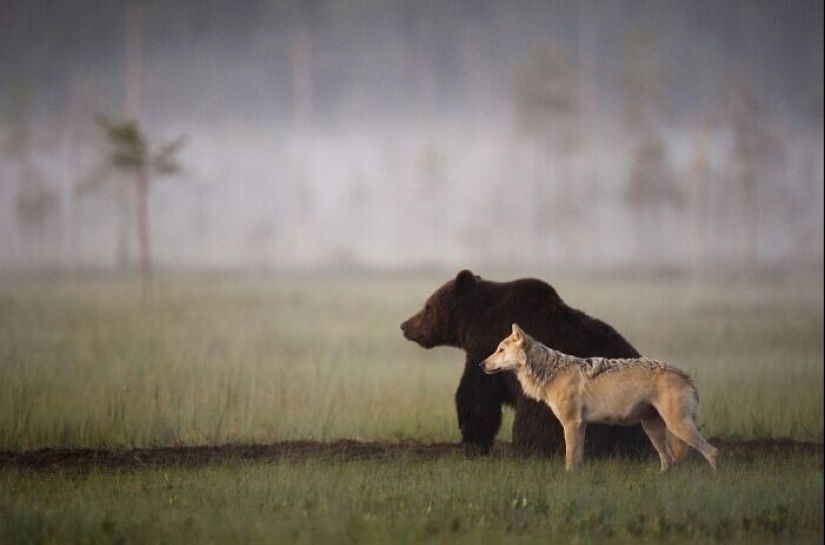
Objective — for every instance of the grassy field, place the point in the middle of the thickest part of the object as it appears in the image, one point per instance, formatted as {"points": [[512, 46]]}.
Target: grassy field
{"points": [[84, 363], [446, 500]]}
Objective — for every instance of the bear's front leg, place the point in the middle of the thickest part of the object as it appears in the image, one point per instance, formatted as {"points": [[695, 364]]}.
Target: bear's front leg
{"points": [[536, 430], [478, 404]]}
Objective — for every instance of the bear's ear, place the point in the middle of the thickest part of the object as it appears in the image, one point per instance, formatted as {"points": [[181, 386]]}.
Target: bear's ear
{"points": [[464, 280]]}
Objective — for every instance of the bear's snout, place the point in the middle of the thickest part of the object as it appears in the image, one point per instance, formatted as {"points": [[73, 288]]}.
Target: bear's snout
{"points": [[413, 331], [407, 329]]}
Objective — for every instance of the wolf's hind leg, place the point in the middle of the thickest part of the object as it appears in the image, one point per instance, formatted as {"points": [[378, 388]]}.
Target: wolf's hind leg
{"points": [[685, 429], [678, 448], [657, 432]]}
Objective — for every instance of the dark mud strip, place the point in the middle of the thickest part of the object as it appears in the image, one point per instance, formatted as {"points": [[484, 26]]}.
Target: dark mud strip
{"points": [[342, 450], [201, 455]]}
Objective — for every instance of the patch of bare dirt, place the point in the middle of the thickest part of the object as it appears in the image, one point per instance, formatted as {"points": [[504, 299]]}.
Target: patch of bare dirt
{"points": [[341, 450], [202, 455]]}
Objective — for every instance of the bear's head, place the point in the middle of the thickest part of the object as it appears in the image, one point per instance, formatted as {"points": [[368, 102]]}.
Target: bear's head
{"points": [[437, 324]]}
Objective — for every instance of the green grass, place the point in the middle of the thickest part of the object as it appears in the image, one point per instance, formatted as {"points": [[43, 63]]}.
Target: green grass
{"points": [[493, 500], [84, 363]]}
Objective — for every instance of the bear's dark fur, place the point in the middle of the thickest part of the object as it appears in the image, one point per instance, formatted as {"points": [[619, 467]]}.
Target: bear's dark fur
{"points": [[475, 315]]}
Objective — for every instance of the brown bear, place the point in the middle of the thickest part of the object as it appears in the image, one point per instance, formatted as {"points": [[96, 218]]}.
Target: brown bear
{"points": [[475, 315]]}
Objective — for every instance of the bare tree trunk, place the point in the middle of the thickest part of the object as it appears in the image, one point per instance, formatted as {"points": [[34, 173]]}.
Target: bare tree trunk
{"points": [[134, 61], [698, 201], [587, 19], [810, 183], [302, 110], [76, 212], [426, 74], [477, 72], [124, 216], [746, 133], [76, 230], [143, 231], [25, 182], [539, 179], [643, 243], [564, 212], [131, 111], [73, 150], [750, 203]]}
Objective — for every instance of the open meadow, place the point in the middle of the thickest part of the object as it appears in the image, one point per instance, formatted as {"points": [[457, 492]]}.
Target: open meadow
{"points": [[84, 363]]}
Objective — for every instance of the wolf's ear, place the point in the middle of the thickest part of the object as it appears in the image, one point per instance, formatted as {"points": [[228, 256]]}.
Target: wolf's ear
{"points": [[517, 332], [465, 280]]}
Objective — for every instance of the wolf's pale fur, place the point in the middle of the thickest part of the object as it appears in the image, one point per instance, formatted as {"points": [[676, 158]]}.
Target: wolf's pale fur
{"points": [[613, 391]]}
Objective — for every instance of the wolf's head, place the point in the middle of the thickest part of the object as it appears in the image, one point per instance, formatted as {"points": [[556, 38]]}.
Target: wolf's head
{"points": [[510, 355]]}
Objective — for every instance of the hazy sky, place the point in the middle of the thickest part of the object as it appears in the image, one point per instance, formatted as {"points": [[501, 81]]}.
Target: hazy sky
{"points": [[341, 127], [233, 59]]}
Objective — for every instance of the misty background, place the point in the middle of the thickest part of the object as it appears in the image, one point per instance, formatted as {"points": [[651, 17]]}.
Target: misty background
{"points": [[346, 134]]}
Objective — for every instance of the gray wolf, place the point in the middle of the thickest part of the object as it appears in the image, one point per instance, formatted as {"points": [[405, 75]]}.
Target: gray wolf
{"points": [[626, 391]]}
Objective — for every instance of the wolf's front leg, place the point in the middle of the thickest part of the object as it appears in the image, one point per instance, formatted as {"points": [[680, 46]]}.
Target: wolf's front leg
{"points": [[580, 445], [574, 432]]}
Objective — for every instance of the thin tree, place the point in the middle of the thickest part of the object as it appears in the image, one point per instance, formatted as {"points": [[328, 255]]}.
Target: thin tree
{"points": [[652, 186], [547, 106], [132, 154], [760, 161], [699, 209], [131, 109], [651, 190], [431, 184], [303, 19], [36, 203], [79, 137]]}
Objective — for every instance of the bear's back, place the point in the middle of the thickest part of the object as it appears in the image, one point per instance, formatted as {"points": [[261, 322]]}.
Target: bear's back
{"points": [[537, 308]]}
